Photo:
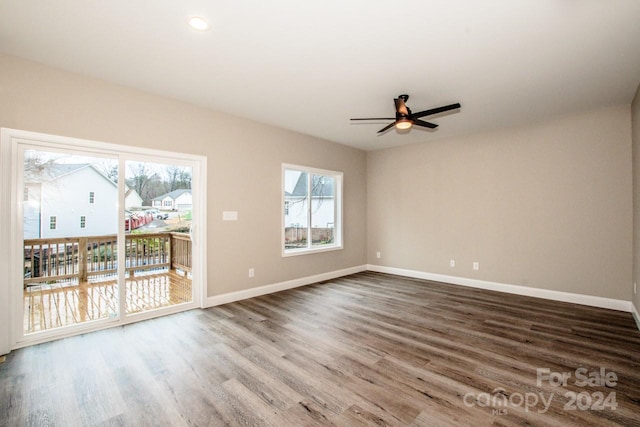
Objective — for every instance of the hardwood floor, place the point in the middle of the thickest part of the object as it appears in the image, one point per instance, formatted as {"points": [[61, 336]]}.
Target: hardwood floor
{"points": [[366, 349]]}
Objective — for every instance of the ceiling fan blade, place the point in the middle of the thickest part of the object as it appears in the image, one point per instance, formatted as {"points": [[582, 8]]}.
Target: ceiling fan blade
{"points": [[377, 118], [435, 111], [386, 128], [400, 106], [424, 124]]}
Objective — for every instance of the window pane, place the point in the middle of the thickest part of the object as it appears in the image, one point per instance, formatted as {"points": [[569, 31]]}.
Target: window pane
{"points": [[322, 210], [158, 217], [296, 212], [311, 210], [69, 238]]}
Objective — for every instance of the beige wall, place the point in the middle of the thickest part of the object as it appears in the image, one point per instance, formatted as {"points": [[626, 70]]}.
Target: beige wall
{"points": [[244, 164], [635, 133], [546, 205]]}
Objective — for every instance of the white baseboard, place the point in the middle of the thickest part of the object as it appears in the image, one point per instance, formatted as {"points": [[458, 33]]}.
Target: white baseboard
{"points": [[636, 315], [594, 301], [277, 287]]}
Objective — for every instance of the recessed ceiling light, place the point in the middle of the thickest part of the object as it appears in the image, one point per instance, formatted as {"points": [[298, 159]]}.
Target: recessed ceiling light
{"points": [[198, 23]]}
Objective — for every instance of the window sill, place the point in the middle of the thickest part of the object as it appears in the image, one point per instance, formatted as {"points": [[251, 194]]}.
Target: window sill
{"points": [[313, 250]]}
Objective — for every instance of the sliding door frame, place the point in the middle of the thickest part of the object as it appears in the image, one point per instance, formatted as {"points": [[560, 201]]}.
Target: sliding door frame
{"points": [[11, 217]]}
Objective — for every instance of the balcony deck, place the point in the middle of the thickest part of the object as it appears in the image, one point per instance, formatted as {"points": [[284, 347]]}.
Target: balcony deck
{"points": [[65, 303]]}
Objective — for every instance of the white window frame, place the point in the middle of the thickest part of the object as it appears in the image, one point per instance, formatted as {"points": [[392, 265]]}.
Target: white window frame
{"points": [[310, 249]]}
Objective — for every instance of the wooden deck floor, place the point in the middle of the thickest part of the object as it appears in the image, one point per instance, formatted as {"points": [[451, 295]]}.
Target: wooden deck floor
{"points": [[50, 306]]}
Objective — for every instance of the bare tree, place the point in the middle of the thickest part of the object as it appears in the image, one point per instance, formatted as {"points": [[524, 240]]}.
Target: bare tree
{"points": [[319, 190], [143, 181], [108, 168], [34, 162], [177, 178]]}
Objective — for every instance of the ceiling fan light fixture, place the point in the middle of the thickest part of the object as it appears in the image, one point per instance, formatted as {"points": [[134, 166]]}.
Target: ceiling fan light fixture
{"points": [[405, 119], [403, 124]]}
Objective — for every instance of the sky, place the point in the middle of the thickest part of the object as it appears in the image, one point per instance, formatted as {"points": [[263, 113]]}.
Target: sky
{"points": [[102, 163]]}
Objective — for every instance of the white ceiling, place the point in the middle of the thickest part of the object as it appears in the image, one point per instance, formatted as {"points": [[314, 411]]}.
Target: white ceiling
{"points": [[310, 66]]}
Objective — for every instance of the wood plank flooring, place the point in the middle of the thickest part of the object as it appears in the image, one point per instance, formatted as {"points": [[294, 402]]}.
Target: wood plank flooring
{"points": [[363, 350]]}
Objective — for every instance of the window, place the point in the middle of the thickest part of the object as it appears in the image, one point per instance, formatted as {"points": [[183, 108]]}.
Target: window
{"points": [[167, 203], [83, 221], [312, 210], [52, 222], [26, 194], [92, 197]]}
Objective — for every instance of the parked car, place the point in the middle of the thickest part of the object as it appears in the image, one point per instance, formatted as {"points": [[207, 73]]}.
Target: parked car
{"points": [[157, 214]]}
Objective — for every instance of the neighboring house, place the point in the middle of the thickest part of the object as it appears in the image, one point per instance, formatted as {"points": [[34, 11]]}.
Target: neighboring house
{"points": [[68, 200], [322, 204], [132, 199], [180, 200]]}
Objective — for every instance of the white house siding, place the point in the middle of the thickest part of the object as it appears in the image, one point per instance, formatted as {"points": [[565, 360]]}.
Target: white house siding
{"points": [[132, 200], [322, 213], [166, 203], [67, 198], [184, 202], [31, 209]]}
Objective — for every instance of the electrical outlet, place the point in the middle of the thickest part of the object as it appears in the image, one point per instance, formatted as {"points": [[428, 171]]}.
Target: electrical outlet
{"points": [[378, 255], [476, 265], [252, 272], [452, 263]]}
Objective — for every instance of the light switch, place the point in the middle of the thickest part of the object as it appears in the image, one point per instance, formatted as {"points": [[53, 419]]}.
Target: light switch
{"points": [[230, 215]]}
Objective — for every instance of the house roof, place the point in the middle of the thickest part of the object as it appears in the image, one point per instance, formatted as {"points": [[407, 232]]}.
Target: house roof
{"points": [[50, 171], [311, 66], [47, 172], [173, 194], [132, 191], [321, 187]]}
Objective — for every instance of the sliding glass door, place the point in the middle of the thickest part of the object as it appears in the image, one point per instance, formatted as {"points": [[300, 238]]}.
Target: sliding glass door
{"points": [[158, 216], [70, 238], [102, 234]]}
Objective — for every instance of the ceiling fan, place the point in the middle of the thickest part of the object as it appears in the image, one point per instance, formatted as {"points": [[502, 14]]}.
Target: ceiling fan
{"points": [[405, 119]]}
